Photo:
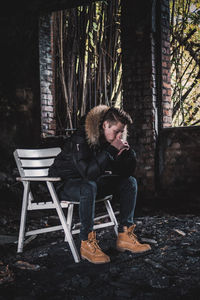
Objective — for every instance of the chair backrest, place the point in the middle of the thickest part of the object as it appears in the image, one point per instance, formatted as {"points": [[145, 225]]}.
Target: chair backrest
{"points": [[35, 162]]}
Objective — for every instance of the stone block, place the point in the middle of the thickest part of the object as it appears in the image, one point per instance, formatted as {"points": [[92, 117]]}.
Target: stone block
{"points": [[150, 173], [175, 145], [47, 108]]}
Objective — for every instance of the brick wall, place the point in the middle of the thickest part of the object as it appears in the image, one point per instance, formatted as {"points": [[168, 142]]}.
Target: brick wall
{"points": [[181, 164], [47, 86], [165, 60], [139, 87], [19, 84], [146, 82]]}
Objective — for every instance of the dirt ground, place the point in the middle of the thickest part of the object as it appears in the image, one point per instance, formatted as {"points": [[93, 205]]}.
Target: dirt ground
{"points": [[46, 270]]}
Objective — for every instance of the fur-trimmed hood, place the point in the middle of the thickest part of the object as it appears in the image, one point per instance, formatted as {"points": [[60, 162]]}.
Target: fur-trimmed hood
{"points": [[92, 124]]}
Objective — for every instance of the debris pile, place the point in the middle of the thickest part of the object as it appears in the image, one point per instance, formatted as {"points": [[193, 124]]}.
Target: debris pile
{"points": [[46, 268]]}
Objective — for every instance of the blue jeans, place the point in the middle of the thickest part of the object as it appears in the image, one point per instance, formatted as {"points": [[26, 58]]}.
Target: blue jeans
{"points": [[122, 188]]}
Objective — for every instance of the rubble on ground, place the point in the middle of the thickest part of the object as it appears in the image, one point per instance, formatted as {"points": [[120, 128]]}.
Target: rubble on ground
{"points": [[46, 270]]}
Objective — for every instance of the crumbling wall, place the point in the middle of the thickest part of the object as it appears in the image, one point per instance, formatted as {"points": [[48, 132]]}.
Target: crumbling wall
{"points": [[181, 158], [47, 78], [166, 104], [139, 87], [19, 85]]}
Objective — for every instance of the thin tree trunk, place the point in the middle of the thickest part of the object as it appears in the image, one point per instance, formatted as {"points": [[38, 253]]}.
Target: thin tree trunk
{"points": [[62, 71]]}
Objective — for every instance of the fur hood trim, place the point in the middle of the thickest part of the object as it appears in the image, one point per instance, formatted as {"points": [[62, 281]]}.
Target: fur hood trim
{"points": [[92, 124]]}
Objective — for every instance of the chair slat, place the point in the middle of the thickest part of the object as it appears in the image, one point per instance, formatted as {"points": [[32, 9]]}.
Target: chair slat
{"points": [[36, 163], [38, 153], [36, 178], [36, 172]]}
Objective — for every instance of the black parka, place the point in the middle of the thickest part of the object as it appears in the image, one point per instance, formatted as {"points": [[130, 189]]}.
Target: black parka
{"points": [[80, 158], [77, 159]]}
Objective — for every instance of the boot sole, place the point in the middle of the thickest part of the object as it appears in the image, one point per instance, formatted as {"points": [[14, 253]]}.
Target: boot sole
{"points": [[96, 263], [125, 249]]}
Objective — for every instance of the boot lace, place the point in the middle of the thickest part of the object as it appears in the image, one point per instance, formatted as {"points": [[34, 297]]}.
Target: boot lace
{"points": [[94, 244], [132, 236]]}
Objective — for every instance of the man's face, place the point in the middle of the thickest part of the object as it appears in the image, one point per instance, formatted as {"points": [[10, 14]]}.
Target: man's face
{"points": [[113, 131]]}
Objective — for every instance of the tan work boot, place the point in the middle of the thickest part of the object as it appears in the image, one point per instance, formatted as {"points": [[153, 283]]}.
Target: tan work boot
{"points": [[127, 240], [91, 251]]}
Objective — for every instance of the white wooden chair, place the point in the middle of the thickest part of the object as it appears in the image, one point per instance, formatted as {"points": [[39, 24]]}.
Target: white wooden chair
{"points": [[33, 166]]}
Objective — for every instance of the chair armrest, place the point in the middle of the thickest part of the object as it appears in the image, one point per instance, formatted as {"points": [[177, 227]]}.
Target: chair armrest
{"points": [[38, 179]]}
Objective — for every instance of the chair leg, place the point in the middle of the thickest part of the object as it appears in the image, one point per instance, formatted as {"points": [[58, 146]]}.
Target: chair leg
{"points": [[112, 215], [23, 216], [30, 195], [63, 222], [69, 217]]}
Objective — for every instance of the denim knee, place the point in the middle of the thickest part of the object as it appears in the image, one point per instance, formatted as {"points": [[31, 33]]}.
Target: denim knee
{"points": [[133, 182], [129, 182]]}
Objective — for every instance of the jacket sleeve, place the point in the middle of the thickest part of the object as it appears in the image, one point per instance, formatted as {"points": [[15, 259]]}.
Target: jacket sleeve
{"points": [[125, 163], [63, 165], [78, 160], [92, 165]]}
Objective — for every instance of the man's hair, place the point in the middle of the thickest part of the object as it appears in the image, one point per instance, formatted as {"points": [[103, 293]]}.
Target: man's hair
{"points": [[114, 115]]}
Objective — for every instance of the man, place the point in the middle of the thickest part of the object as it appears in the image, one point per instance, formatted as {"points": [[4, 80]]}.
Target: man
{"points": [[97, 148]]}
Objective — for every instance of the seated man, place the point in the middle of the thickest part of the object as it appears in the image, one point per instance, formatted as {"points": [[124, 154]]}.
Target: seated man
{"points": [[97, 148]]}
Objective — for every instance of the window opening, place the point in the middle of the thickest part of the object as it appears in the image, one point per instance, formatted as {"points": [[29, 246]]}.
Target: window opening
{"points": [[185, 61], [88, 65]]}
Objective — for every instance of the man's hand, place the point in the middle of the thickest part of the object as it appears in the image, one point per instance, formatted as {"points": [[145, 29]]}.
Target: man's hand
{"points": [[120, 145], [120, 152]]}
